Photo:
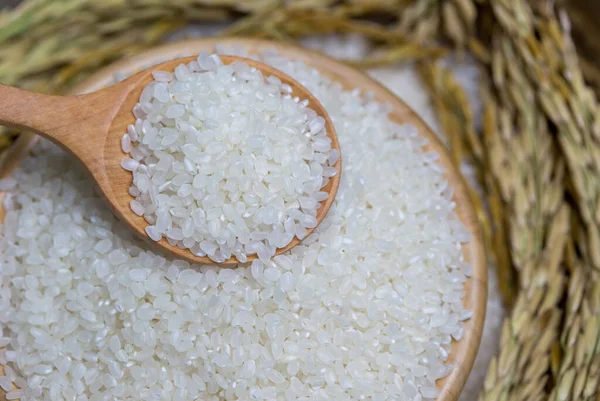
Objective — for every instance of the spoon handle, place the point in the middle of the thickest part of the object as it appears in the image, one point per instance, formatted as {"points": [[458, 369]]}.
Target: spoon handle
{"points": [[42, 114], [77, 123]]}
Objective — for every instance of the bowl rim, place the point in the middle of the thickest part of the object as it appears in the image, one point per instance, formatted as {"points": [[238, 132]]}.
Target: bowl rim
{"points": [[463, 352]]}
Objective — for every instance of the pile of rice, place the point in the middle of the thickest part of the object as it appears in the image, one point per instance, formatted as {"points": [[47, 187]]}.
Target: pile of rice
{"points": [[225, 161], [365, 308]]}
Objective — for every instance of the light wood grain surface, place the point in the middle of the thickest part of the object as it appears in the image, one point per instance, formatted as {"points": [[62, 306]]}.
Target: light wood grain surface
{"points": [[463, 352]]}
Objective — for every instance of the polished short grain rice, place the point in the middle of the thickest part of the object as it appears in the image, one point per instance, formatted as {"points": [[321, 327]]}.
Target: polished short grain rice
{"points": [[226, 162], [365, 308]]}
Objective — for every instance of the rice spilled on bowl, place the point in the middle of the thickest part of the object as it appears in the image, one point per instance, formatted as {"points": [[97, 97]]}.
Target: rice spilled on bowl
{"points": [[365, 308]]}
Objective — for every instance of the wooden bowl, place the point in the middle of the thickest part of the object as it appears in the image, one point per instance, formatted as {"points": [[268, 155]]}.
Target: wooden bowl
{"points": [[463, 351]]}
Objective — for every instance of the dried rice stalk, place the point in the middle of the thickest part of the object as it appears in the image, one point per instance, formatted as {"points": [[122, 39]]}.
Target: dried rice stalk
{"points": [[580, 340], [525, 164], [419, 19], [520, 371], [523, 160], [454, 113], [578, 120], [583, 15], [527, 74]]}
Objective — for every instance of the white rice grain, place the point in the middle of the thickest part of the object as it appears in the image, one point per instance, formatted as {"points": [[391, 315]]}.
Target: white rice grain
{"points": [[365, 308], [210, 137]]}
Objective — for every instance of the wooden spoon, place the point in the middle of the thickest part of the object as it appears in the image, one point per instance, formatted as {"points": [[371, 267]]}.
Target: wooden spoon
{"points": [[91, 126]]}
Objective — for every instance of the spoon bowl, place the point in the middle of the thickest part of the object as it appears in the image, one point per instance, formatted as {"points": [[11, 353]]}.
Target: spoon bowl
{"points": [[91, 126]]}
